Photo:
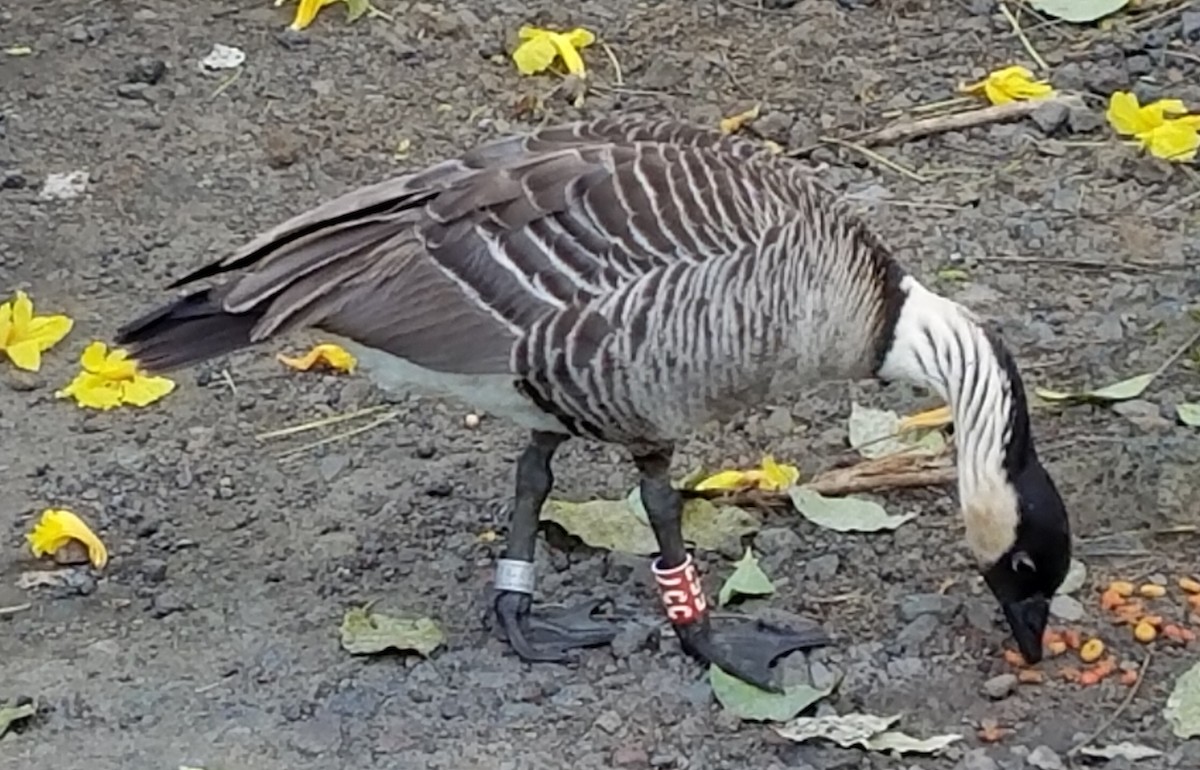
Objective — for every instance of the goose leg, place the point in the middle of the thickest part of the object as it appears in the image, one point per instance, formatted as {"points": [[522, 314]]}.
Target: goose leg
{"points": [[742, 647], [543, 636]]}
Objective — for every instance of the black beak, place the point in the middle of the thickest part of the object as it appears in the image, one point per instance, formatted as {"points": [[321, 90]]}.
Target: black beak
{"points": [[1027, 619]]}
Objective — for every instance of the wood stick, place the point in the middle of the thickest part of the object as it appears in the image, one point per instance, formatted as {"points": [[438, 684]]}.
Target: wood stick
{"points": [[955, 121]]}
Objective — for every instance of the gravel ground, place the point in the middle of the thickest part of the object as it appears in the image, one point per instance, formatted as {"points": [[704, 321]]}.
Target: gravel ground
{"points": [[211, 638]]}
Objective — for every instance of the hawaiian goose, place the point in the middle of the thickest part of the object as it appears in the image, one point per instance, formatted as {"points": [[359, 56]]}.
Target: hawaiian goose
{"points": [[627, 281]]}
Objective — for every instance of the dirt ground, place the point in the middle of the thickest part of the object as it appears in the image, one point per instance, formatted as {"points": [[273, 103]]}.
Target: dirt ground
{"points": [[211, 639]]}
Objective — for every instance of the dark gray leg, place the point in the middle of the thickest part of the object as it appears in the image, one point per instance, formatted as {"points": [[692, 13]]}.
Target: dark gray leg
{"points": [[743, 647], [544, 637]]}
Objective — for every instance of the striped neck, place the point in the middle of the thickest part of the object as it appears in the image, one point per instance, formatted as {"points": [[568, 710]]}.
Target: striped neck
{"points": [[939, 344]]}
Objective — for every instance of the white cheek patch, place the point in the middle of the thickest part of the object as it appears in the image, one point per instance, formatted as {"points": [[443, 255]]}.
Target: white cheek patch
{"points": [[991, 516]]}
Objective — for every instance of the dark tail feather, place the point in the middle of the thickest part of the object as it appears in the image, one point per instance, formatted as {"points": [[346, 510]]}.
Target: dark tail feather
{"points": [[184, 332]]}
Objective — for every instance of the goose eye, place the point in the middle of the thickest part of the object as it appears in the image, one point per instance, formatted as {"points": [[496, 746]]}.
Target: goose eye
{"points": [[1021, 559]]}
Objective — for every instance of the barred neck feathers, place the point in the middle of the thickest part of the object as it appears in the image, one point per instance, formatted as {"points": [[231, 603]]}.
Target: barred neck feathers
{"points": [[939, 344]]}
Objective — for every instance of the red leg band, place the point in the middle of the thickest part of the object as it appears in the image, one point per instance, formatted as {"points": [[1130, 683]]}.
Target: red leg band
{"points": [[681, 592]]}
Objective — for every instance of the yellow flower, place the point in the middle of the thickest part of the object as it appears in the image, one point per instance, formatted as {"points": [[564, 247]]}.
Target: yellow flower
{"points": [[57, 527], [307, 10], [541, 46], [1010, 84], [24, 336], [111, 379], [332, 355], [1174, 139], [769, 476]]}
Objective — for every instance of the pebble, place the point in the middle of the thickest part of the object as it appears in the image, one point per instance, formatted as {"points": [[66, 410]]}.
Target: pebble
{"points": [[1045, 758], [1141, 413], [609, 721], [1189, 26], [1066, 608], [168, 603], [778, 540], [12, 179], [133, 91], [977, 759], [916, 605], [147, 70], [630, 756], [822, 568], [918, 632], [631, 638], [1000, 687], [1050, 116]]}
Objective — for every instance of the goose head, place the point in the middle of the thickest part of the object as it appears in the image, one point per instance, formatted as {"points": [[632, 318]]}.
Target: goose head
{"points": [[1020, 533]]}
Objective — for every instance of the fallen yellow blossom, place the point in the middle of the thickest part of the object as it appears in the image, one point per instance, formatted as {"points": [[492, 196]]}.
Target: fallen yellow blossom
{"points": [[332, 355], [1009, 84], [24, 336], [110, 379], [735, 123], [57, 527], [307, 10], [540, 47], [1175, 139], [769, 476]]}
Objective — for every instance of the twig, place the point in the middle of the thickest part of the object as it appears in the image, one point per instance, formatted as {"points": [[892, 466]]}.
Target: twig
{"points": [[1179, 351], [1184, 201], [913, 175], [339, 436], [14, 609], [1079, 264], [1107, 723], [1020, 33], [321, 423], [955, 121], [612, 57]]}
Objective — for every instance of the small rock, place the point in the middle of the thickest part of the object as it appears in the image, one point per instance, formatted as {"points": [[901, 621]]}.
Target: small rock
{"points": [[630, 756], [1066, 608], [631, 638], [22, 381], [980, 615], [779, 422], [77, 33], [133, 91], [331, 465], [1050, 116], [12, 180], [977, 759], [1081, 120], [918, 632], [1000, 687], [609, 722], [147, 70], [823, 677], [1045, 758], [167, 603], [1141, 413], [1189, 26], [912, 607], [154, 570], [1076, 577], [778, 540], [1139, 65], [822, 568]]}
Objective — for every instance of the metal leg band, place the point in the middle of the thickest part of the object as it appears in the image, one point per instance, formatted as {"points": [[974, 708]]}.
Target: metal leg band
{"points": [[515, 575]]}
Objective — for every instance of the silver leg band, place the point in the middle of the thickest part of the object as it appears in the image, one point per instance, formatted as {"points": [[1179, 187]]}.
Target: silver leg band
{"points": [[515, 575]]}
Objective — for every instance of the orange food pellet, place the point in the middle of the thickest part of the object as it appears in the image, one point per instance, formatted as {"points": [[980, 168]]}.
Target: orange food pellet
{"points": [[1105, 667], [1121, 588], [1154, 620], [1091, 650], [1072, 638], [1152, 591], [1050, 635], [990, 731], [1178, 633], [1190, 585], [1110, 600], [1031, 676], [1069, 674], [1057, 647], [1144, 632], [1089, 678], [1014, 658], [1129, 678], [1194, 602]]}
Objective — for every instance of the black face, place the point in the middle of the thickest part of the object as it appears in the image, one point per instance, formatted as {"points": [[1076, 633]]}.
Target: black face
{"points": [[1025, 578]]}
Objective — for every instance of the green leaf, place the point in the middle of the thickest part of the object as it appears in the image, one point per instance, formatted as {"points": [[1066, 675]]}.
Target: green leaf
{"points": [[364, 632], [747, 579], [1189, 414], [10, 714], [872, 432], [1118, 391], [621, 525], [952, 274], [866, 730], [748, 702], [844, 514], [1078, 11], [1183, 705], [356, 8]]}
